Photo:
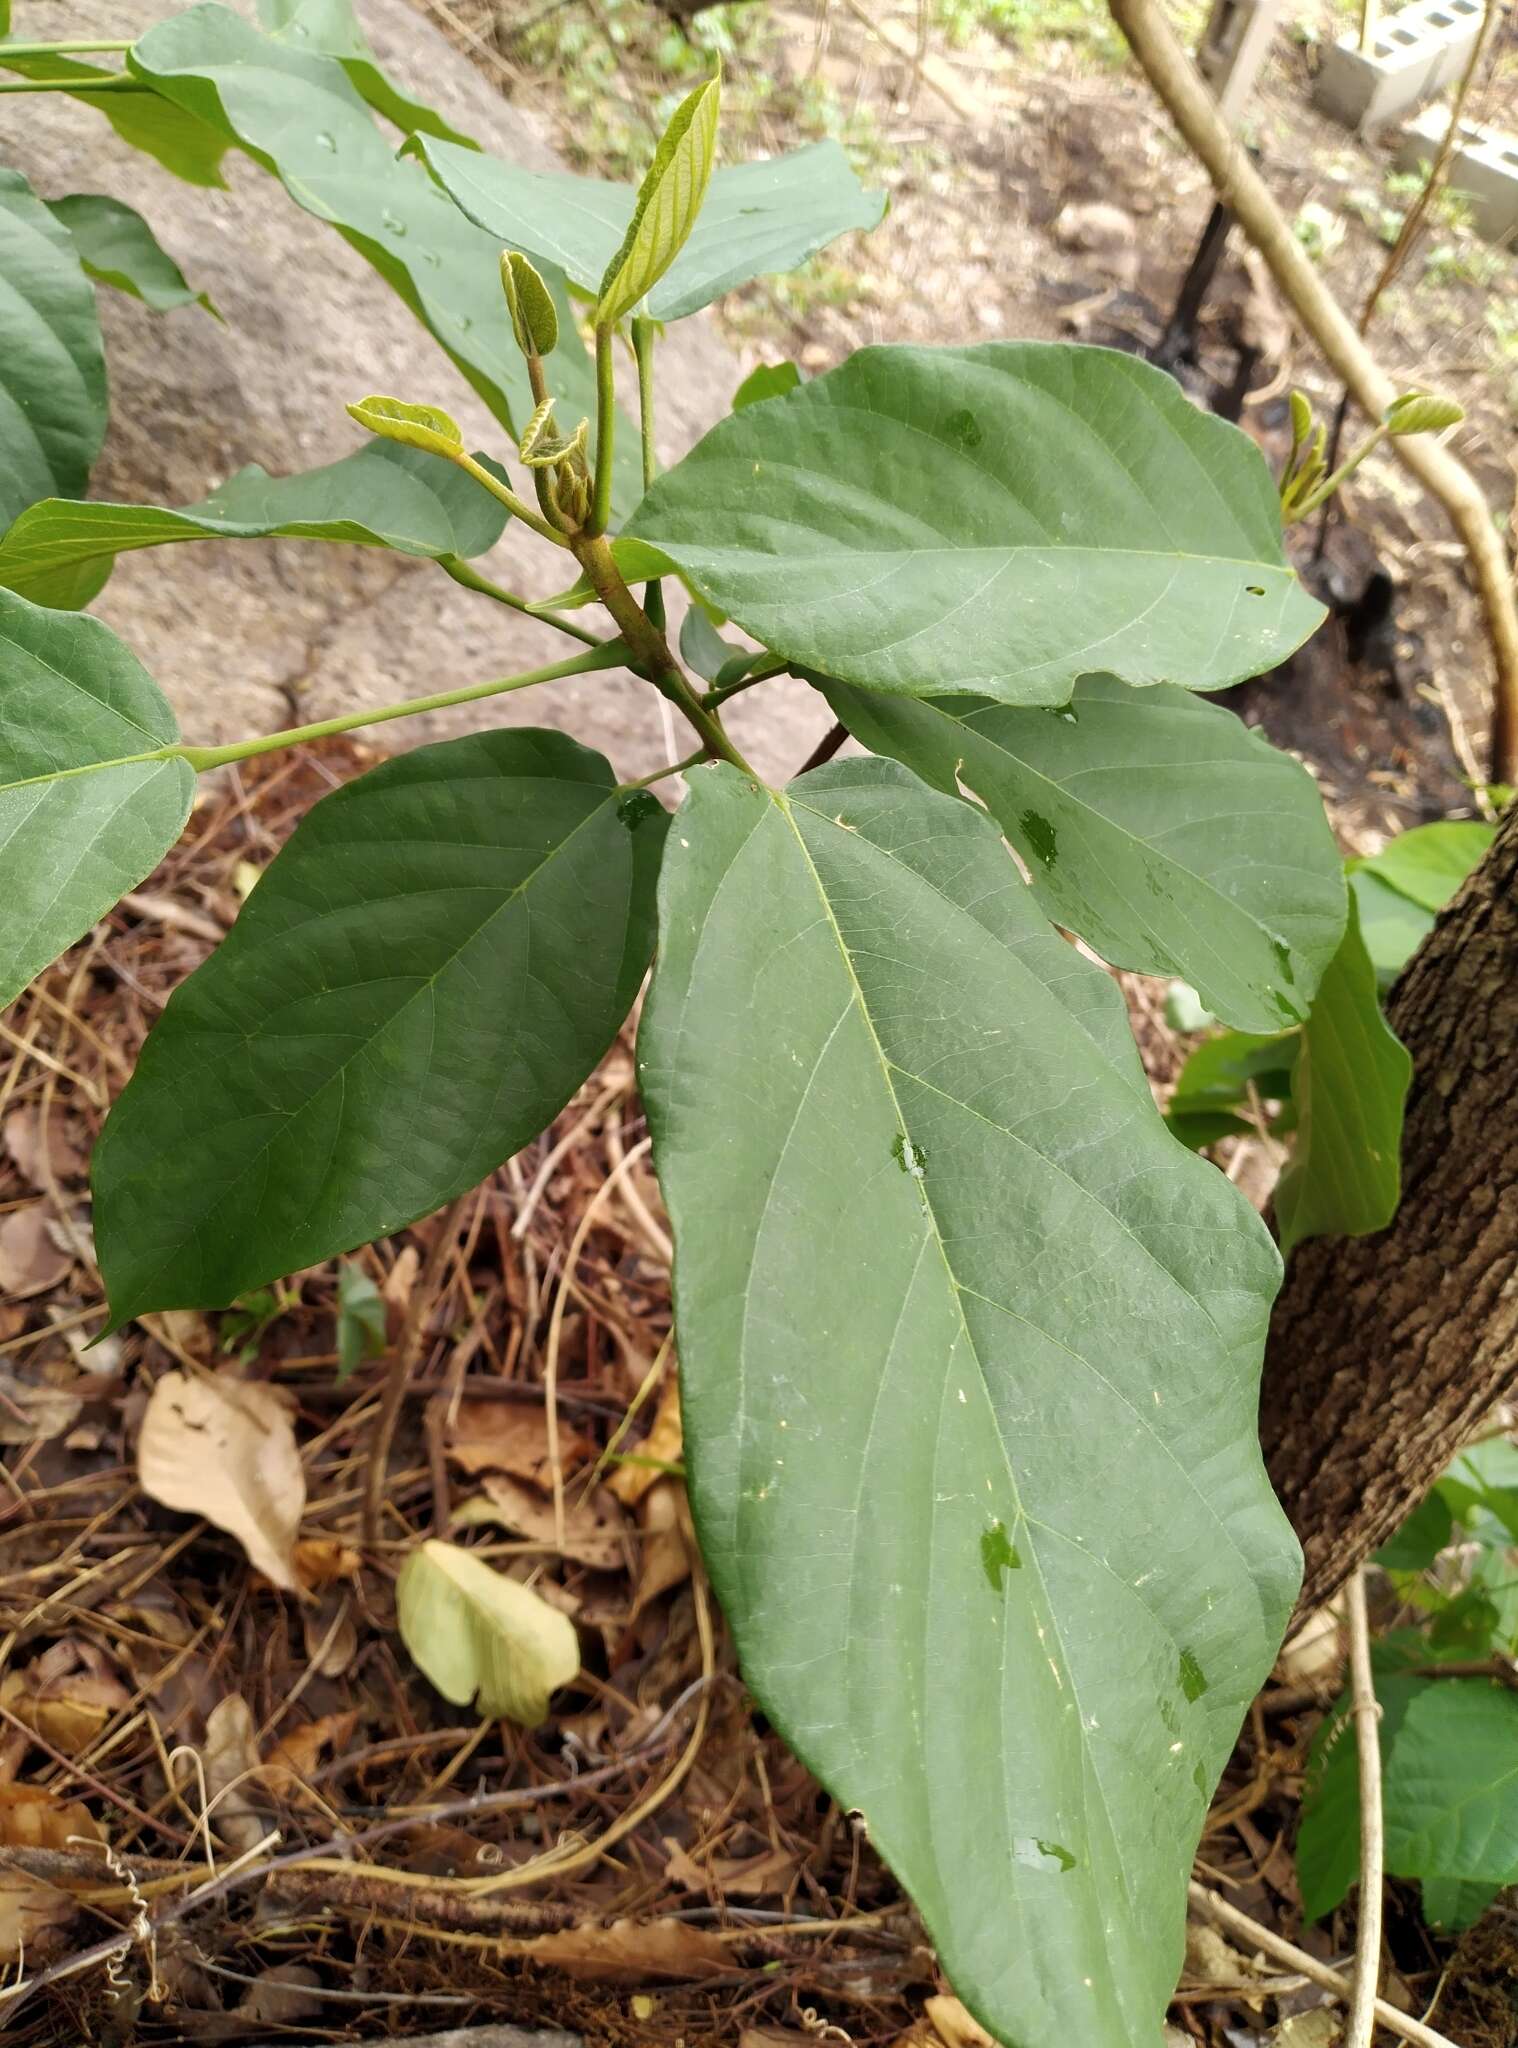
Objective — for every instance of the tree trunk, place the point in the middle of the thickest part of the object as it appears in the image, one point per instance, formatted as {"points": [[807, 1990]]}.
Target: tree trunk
{"points": [[1385, 1352]]}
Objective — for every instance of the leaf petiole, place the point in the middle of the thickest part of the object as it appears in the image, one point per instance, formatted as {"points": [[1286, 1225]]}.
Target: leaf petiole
{"points": [[607, 654], [518, 507], [470, 579], [606, 433]]}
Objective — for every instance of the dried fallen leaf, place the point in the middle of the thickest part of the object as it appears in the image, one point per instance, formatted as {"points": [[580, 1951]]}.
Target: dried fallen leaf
{"points": [[664, 1445], [30, 1413], [296, 1757], [481, 1636], [23, 1141], [633, 1951], [331, 1635], [232, 1766], [225, 1449], [595, 1532], [30, 1260], [508, 1436], [1210, 1959], [955, 2025], [1319, 2029], [743, 1877], [67, 1695], [667, 1540], [319, 1560], [33, 1818], [281, 1995]]}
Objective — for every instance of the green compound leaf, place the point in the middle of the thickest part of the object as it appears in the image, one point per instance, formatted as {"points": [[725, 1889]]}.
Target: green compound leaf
{"points": [[1350, 1083], [183, 145], [118, 248], [331, 28], [1449, 1749], [758, 218], [52, 364], [73, 845], [60, 552], [297, 114], [418, 984], [997, 520], [1161, 829], [955, 1314], [667, 204]]}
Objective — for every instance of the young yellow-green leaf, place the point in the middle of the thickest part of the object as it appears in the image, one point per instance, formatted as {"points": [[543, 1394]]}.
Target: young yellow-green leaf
{"points": [[72, 845], [482, 1637], [52, 364], [1157, 826], [956, 1315], [415, 426], [430, 968], [1351, 1080], [331, 27], [668, 202], [998, 521], [118, 248], [60, 552], [299, 115], [174, 138], [758, 218], [534, 317]]}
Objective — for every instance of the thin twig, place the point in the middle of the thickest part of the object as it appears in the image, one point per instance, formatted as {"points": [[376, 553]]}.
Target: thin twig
{"points": [[402, 1359], [1366, 1715], [1283, 1951], [1241, 188]]}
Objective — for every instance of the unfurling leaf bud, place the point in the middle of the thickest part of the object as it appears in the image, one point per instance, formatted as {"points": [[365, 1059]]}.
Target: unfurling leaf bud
{"points": [[534, 317], [1422, 412], [1301, 418], [417, 426]]}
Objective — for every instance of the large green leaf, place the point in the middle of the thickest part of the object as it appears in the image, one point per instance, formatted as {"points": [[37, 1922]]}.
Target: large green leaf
{"points": [[956, 1317], [758, 218], [60, 552], [1428, 864], [52, 364], [117, 247], [1449, 1749], [331, 27], [161, 130], [296, 113], [1350, 1082], [418, 984], [998, 520], [1160, 828], [72, 845]]}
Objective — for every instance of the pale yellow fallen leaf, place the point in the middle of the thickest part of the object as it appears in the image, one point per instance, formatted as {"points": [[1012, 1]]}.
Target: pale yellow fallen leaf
{"points": [[31, 1817], [481, 1636], [1323, 2028], [955, 2025], [66, 1695], [225, 1449], [232, 1772], [664, 1445]]}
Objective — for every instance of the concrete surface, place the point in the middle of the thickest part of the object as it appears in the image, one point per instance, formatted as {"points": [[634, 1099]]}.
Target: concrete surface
{"points": [[249, 636]]}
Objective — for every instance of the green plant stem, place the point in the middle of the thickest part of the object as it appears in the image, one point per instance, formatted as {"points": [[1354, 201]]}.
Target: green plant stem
{"points": [[643, 351], [518, 507], [714, 697], [606, 434], [606, 654], [117, 82], [470, 579], [673, 768], [649, 649], [87, 48]]}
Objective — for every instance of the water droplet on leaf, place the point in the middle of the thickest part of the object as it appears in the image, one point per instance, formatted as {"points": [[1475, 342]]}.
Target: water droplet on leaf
{"points": [[326, 141], [394, 225], [998, 1555], [1193, 1678], [1040, 835]]}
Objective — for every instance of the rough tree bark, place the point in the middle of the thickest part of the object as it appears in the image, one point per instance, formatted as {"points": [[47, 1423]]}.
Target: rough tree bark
{"points": [[1385, 1352]]}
